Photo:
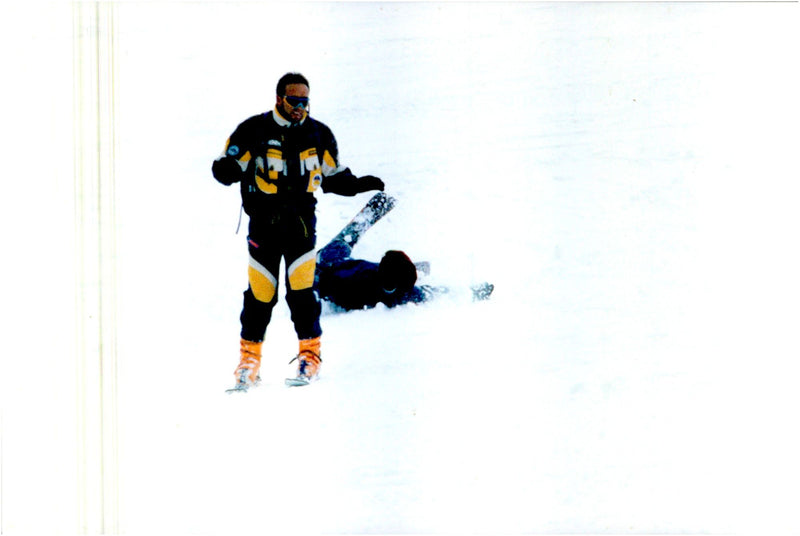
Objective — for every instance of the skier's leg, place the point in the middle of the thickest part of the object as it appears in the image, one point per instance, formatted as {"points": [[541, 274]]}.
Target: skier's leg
{"points": [[259, 300], [335, 251], [301, 297], [304, 305], [262, 291], [301, 262]]}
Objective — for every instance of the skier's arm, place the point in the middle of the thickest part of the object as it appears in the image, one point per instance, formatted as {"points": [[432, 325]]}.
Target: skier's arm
{"points": [[424, 293], [229, 167], [345, 183], [337, 179], [418, 294]]}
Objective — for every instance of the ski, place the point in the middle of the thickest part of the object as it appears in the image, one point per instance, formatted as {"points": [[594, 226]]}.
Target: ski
{"points": [[376, 208], [290, 382], [296, 382], [241, 384], [482, 291]]}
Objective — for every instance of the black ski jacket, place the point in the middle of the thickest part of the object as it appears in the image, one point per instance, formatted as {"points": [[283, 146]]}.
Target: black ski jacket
{"points": [[353, 284], [279, 164]]}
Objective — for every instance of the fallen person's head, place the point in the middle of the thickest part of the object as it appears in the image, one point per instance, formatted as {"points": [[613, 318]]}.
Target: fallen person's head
{"points": [[396, 272]]}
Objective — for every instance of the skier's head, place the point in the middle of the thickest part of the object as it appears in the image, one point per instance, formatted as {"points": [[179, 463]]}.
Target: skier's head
{"points": [[292, 97], [396, 272]]}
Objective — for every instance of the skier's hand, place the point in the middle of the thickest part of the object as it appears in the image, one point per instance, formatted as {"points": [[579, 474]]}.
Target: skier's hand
{"points": [[226, 170], [368, 182]]}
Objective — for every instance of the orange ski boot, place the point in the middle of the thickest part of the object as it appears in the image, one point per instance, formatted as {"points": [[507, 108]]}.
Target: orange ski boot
{"points": [[249, 365], [309, 362]]}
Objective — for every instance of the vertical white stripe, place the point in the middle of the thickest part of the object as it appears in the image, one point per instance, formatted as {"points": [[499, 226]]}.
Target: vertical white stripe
{"points": [[95, 148]]}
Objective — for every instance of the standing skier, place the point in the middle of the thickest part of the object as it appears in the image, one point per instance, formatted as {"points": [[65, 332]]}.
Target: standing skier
{"points": [[280, 158]]}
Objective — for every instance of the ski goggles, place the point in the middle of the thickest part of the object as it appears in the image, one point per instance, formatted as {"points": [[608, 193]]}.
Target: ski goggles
{"points": [[296, 102]]}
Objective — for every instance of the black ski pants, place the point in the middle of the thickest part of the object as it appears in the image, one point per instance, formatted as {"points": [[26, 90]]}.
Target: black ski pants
{"points": [[288, 235]]}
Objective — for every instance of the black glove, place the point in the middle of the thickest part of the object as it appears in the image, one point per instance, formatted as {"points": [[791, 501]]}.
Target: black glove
{"points": [[227, 170], [368, 182]]}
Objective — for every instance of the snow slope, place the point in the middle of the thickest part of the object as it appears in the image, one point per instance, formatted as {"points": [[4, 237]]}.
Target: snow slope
{"points": [[622, 172]]}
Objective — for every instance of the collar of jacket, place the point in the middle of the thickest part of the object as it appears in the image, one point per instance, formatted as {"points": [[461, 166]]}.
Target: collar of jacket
{"points": [[285, 122]]}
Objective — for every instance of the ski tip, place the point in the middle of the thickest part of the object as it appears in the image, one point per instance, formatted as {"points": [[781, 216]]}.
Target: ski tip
{"points": [[383, 200], [482, 292], [243, 384], [296, 382]]}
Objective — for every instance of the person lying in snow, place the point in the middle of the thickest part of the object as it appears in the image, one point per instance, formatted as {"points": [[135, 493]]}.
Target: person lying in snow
{"points": [[351, 284]]}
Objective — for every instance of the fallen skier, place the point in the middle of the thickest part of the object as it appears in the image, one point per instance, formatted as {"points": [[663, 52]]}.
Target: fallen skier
{"points": [[349, 284]]}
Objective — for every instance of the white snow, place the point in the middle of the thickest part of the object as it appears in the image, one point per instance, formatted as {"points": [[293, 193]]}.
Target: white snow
{"points": [[624, 173]]}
